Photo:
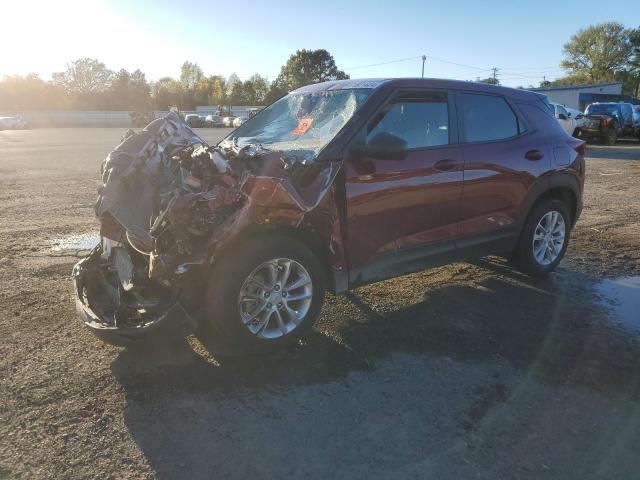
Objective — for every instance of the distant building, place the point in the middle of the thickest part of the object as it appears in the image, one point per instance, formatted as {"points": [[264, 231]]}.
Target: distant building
{"points": [[579, 96]]}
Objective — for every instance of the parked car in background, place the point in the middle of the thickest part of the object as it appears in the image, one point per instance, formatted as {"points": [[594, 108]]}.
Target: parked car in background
{"points": [[565, 119], [214, 121], [193, 120], [228, 121], [239, 121], [578, 116], [13, 123], [609, 121], [334, 186], [636, 119]]}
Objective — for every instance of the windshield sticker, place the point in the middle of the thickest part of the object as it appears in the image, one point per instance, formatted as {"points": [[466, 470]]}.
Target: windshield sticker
{"points": [[303, 126]]}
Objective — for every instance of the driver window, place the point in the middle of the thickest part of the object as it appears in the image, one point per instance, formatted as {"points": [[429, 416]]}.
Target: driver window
{"points": [[562, 111], [421, 120]]}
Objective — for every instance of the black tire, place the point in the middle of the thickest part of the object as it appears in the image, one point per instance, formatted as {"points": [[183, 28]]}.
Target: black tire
{"points": [[610, 137], [222, 323], [524, 258]]}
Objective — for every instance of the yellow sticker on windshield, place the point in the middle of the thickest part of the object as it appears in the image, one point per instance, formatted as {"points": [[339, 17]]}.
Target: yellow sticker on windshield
{"points": [[303, 126]]}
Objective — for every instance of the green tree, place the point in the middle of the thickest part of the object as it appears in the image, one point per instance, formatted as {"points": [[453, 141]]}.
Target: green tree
{"points": [[256, 90], [165, 92], [308, 66], [598, 52], [30, 92], [130, 91], [633, 71], [218, 90], [276, 91], [233, 89], [190, 75], [490, 81], [84, 76]]}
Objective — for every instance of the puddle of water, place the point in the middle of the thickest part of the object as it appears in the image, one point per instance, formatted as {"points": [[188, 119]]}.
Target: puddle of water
{"points": [[82, 241], [623, 296]]}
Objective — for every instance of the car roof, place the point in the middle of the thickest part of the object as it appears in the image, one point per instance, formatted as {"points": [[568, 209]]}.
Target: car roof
{"points": [[375, 83]]}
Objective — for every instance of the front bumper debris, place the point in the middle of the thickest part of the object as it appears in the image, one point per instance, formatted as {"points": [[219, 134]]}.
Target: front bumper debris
{"points": [[101, 306]]}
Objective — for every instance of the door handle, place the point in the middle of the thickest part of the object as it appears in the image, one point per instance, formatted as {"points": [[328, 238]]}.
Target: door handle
{"points": [[445, 165], [534, 155]]}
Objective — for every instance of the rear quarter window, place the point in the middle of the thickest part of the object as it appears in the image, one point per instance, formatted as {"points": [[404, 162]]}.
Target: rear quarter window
{"points": [[486, 117], [539, 117]]}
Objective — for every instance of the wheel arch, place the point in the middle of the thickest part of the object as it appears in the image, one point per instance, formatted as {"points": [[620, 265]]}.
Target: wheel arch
{"points": [[561, 186], [305, 236]]}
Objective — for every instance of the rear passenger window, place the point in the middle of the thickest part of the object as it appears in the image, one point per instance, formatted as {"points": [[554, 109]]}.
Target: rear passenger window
{"points": [[421, 120], [485, 117]]}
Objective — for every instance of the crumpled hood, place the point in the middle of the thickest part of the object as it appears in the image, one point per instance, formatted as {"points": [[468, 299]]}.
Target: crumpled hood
{"points": [[140, 169], [167, 192]]}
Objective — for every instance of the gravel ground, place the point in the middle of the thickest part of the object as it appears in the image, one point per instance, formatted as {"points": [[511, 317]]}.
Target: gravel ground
{"points": [[466, 371]]}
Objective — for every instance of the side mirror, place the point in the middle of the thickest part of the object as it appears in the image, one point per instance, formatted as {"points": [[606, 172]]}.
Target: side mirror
{"points": [[569, 114], [386, 146]]}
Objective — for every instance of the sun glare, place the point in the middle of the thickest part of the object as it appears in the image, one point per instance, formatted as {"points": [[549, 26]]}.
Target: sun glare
{"points": [[61, 31]]}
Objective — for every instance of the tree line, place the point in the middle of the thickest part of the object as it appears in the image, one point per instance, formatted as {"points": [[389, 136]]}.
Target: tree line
{"points": [[87, 84], [601, 53]]}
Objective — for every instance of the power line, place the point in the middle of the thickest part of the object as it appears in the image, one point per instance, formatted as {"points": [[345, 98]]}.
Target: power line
{"points": [[531, 68], [458, 64], [471, 74], [521, 72], [384, 63]]}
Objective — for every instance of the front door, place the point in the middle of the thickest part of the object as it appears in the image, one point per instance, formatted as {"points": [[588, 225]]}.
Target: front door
{"points": [[394, 205]]}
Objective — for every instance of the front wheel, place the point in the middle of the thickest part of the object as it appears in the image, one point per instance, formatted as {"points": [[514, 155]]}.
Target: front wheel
{"points": [[264, 295], [544, 238]]}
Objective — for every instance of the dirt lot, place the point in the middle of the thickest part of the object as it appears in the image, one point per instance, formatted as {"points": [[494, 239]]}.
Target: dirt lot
{"points": [[466, 371]]}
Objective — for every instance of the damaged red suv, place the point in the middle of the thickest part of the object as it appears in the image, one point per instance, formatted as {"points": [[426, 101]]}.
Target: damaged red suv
{"points": [[334, 186]]}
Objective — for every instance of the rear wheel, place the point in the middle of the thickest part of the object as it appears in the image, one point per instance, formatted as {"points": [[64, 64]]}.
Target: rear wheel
{"points": [[544, 238], [266, 295]]}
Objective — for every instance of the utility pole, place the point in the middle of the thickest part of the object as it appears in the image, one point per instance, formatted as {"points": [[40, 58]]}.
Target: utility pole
{"points": [[424, 59], [495, 71]]}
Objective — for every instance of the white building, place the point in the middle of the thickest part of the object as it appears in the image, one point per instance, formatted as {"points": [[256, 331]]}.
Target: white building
{"points": [[579, 96]]}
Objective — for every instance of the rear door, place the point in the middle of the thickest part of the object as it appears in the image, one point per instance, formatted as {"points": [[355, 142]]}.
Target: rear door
{"points": [[414, 202], [501, 162]]}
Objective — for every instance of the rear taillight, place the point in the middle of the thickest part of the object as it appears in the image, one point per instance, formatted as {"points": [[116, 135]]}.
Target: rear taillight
{"points": [[579, 146], [604, 122]]}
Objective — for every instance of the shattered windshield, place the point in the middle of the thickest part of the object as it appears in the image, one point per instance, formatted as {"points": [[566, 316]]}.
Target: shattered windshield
{"points": [[301, 124]]}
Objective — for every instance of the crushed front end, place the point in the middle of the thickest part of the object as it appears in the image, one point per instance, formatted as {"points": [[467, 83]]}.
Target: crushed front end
{"points": [[171, 206], [164, 192]]}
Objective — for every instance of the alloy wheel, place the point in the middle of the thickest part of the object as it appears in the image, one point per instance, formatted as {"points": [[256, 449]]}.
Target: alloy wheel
{"points": [[548, 238], [275, 298]]}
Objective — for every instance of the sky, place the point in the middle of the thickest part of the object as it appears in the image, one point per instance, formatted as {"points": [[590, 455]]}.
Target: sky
{"points": [[461, 39]]}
